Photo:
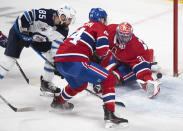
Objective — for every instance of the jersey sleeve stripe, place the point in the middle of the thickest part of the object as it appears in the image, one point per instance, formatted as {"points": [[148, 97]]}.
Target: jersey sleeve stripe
{"points": [[142, 65], [101, 37], [87, 45], [27, 16], [102, 42], [71, 55], [89, 35], [104, 46], [33, 15]]}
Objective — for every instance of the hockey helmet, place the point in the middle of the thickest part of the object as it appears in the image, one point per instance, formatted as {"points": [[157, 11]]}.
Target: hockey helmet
{"points": [[124, 32], [96, 14], [68, 12]]}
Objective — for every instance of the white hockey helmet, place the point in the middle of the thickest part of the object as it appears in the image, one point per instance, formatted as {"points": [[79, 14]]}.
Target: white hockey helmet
{"points": [[68, 11]]}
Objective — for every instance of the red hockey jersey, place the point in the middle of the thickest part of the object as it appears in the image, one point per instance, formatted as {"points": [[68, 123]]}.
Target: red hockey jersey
{"points": [[135, 53], [83, 42]]}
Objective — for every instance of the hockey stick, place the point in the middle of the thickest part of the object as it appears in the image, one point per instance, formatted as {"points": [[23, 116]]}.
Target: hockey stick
{"points": [[116, 102], [40, 54], [15, 109], [19, 67], [22, 72]]}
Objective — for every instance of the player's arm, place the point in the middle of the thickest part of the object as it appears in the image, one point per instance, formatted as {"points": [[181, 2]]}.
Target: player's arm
{"points": [[22, 25], [102, 42]]}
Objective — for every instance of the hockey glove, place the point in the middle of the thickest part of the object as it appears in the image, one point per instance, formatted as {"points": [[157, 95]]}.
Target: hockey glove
{"points": [[3, 40], [56, 72], [97, 89], [41, 46]]}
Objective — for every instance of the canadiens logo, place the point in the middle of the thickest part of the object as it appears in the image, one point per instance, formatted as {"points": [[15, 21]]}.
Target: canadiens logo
{"points": [[122, 46]]}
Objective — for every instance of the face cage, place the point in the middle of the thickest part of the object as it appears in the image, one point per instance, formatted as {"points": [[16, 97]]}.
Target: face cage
{"points": [[124, 38]]}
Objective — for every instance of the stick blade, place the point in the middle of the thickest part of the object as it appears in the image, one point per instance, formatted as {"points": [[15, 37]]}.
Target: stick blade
{"points": [[120, 103], [25, 109]]}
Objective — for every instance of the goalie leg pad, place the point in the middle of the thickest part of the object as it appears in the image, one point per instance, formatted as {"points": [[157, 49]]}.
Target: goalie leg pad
{"points": [[151, 87]]}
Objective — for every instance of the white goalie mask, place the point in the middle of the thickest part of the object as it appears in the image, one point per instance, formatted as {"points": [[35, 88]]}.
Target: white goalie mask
{"points": [[69, 13]]}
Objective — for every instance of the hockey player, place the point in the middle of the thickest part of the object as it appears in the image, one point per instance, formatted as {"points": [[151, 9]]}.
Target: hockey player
{"points": [[129, 58], [42, 29], [73, 61]]}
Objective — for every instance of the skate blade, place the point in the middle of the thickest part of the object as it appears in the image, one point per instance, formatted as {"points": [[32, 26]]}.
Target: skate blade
{"points": [[58, 110], [46, 94], [109, 124], [25, 109]]}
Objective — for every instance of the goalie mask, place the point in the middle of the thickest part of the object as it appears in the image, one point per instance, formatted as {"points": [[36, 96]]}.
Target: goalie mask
{"points": [[124, 33], [68, 12]]}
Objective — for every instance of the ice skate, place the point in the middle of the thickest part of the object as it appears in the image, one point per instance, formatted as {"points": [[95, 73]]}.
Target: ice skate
{"points": [[56, 104], [97, 89], [112, 121], [47, 88]]}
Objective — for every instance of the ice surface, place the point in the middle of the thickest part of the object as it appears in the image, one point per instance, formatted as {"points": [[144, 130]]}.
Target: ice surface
{"points": [[152, 20]]}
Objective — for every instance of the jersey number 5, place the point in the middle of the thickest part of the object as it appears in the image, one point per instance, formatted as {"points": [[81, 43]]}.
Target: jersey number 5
{"points": [[42, 14]]}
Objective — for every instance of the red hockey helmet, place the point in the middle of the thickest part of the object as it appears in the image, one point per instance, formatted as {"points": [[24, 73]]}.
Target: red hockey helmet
{"points": [[124, 32]]}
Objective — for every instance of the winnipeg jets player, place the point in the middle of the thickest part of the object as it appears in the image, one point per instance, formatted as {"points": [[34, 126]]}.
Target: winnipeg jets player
{"points": [[74, 61], [129, 58], [42, 29]]}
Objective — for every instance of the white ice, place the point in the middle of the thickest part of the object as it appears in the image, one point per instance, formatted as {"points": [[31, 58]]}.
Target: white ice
{"points": [[152, 21]]}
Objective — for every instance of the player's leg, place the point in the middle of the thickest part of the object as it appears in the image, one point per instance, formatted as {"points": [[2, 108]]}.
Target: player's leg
{"points": [[12, 52], [77, 73], [49, 71], [46, 79], [108, 93], [124, 74]]}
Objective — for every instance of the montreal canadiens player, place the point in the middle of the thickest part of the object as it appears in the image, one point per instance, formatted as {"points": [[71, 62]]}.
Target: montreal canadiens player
{"points": [[129, 58], [42, 29], [74, 61]]}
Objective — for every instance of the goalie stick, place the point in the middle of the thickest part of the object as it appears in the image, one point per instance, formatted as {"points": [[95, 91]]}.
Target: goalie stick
{"points": [[15, 109], [116, 102]]}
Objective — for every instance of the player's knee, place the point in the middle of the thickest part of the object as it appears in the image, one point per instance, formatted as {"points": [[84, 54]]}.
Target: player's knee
{"points": [[73, 92], [109, 83], [81, 88]]}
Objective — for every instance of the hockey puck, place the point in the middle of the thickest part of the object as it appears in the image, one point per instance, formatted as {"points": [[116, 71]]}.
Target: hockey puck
{"points": [[159, 75]]}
